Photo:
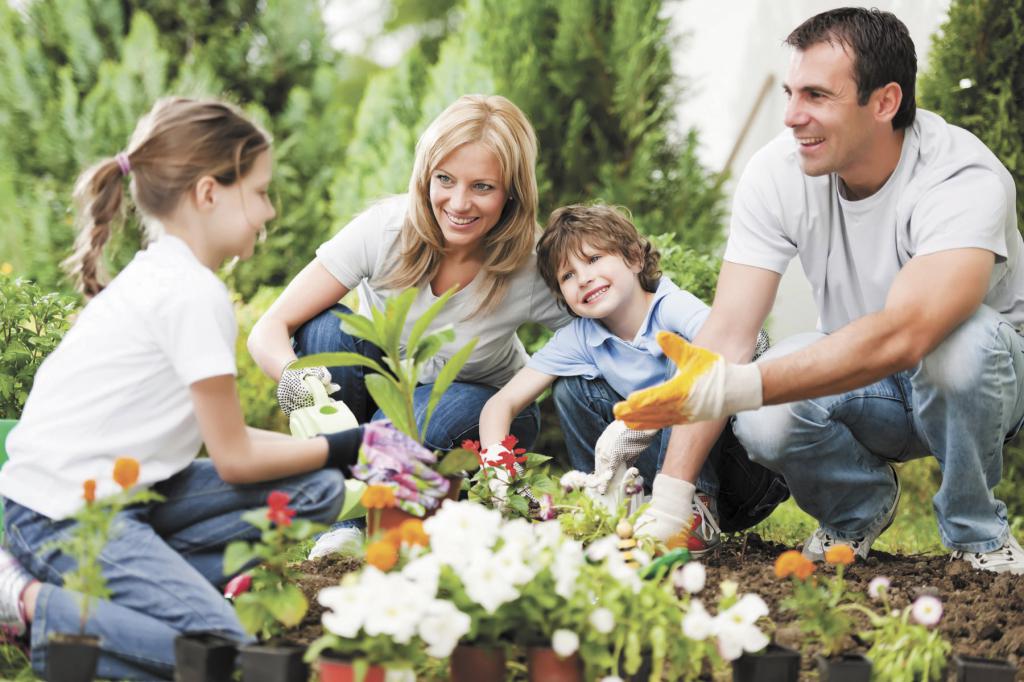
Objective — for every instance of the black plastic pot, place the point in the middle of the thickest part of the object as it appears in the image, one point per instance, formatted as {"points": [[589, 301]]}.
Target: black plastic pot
{"points": [[974, 669], [203, 657], [843, 668], [774, 664], [273, 663], [72, 658]]}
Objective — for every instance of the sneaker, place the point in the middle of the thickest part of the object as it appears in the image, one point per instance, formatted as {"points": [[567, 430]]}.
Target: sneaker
{"points": [[1007, 559], [705, 534], [13, 581], [345, 540], [821, 540]]}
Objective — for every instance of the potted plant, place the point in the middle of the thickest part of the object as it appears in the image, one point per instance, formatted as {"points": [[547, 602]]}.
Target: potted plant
{"points": [[511, 480], [975, 669], [274, 601], [822, 607], [73, 656]]}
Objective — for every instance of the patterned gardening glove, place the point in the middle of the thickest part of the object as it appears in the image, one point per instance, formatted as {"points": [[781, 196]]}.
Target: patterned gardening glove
{"points": [[292, 392], [705, 387], [618, 446]]}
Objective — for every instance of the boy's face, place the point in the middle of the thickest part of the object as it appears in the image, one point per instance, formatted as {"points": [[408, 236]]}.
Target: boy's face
{"points": [[599, 284]]}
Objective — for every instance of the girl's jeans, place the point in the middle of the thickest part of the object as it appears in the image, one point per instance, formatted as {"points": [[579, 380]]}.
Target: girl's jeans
{"points": [[163, 565], [959, 404], [457, 415]]}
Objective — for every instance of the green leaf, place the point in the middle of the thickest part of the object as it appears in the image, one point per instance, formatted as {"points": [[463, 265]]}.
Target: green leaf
{"points": [[457, 461], [359, 326], [396, 310], [288, 604], [445, 378], [340, 359], [252, 614], [237, 555], [428, 316], [394, 405], [519, 504], [534, 459]]}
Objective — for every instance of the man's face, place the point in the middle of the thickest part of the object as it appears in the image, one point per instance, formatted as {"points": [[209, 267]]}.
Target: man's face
{"points": [[832, 131]]}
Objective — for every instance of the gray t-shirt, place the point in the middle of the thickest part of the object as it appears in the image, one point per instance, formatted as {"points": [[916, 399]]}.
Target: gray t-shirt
{"points": [[947, 192], [360, 253]]}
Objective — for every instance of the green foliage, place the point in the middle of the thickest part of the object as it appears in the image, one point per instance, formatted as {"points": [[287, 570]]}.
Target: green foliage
{"points": [[982, 41], [256, 391], [902, 650], [690, 269], [818, 604], [32, 323]]}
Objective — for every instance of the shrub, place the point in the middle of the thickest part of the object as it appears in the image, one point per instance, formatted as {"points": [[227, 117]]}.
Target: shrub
{"points": [[256, 391]]}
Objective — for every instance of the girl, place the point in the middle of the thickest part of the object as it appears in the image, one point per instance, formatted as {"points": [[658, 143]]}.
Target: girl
{"points": [[148, 371]]}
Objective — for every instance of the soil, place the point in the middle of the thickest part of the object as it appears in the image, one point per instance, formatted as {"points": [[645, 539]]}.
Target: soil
{"points": [[983, 612]]}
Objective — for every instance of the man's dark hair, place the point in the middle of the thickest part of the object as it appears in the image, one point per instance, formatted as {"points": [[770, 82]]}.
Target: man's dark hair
{"points": [[881, 48]]}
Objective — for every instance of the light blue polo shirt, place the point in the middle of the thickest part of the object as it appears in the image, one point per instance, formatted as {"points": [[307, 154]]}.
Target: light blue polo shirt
{"points": [[586, 348]]}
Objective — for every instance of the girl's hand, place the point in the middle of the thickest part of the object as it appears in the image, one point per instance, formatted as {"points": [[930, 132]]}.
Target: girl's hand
{"points": [[292, 392]]}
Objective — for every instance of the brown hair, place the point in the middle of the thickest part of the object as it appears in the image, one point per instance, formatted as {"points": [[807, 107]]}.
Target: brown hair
{"points": [[178, 142], [501, 127], [601, 227]]}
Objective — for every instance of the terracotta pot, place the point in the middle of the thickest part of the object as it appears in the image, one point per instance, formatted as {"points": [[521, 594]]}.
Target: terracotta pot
{"points": [[333, 669], [203, 657], [72, 658], [974, 669], [477, 663], [844, 668], [393, 517], [774, 664], [544, 665], [262, 663]]}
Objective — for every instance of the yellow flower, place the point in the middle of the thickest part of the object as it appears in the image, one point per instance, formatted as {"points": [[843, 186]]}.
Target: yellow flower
{"points": [[6, 269], [378, 497], [839, 554], [382, 555], [126, 471], [89, 491]]}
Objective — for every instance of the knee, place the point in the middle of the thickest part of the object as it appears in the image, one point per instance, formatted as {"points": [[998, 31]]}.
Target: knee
{"points": [[966, 358], [320, 495], [321, 333], [770, 433], [566, 392]]}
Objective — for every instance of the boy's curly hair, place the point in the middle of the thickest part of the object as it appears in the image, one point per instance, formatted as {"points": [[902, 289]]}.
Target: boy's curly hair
{"points": [[600, 227]]}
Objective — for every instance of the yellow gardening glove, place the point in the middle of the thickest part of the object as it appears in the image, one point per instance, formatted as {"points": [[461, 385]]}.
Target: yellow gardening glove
{"points": [[705, 387]]}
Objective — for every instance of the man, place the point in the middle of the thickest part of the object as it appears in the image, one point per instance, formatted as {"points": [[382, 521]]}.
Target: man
{"points": [[906, 228]]}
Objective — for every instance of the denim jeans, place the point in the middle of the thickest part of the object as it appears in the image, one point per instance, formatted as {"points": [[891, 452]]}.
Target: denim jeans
{"points": [[163, 565], [745, 493], [958, 404], [457, 415]]}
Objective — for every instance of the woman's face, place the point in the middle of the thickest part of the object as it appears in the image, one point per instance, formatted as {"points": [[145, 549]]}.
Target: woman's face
{"points": [[467, 195]]}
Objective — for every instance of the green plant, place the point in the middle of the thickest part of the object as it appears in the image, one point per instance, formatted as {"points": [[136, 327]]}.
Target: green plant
{"points": [[32, 323], [690, 270], [274, 600], [509, 481], [821, 606], [256, 391]]}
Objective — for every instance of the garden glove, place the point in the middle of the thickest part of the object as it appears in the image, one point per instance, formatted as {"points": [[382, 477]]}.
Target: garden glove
{"points": [[292, 393], [618, 447], [669, 511], [705, 387]]}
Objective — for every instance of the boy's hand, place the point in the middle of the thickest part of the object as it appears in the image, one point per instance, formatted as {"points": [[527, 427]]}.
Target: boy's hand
{"points": [[705, 387], [618, 446]]}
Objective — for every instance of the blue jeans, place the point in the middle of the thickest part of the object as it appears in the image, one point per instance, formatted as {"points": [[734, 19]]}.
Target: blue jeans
{"points": [[163, 565], [745, 492], [958, 404], [457, 415]]}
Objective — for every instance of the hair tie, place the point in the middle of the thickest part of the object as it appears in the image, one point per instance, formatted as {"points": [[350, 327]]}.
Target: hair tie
{"points": [[123, 163]]}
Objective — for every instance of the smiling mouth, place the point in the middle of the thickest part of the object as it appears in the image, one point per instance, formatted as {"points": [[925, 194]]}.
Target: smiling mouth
{"points": [[457, 221], [595, 294], [809, 141]]}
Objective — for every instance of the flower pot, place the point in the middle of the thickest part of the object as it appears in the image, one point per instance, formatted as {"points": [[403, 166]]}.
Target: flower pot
{"points": [[72, 658], [262, 663], [843, 668], [974, 669], [472, 663], [203, 657], [393, 517], [544, 665], [774, 664], [333, 669]]}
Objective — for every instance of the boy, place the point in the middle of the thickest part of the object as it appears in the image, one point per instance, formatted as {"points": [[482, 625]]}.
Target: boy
{"points": [[606, 273]]}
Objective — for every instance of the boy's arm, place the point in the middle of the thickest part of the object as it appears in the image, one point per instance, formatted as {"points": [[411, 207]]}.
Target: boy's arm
{"points": [[498, 413]]}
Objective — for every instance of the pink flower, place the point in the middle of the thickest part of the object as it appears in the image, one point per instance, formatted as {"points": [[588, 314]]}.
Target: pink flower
{"points": [[547, 507], [927, 610], [878, 586]]}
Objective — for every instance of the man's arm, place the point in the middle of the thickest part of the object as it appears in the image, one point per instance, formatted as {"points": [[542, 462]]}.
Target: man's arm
{"points": [[929, 298]]}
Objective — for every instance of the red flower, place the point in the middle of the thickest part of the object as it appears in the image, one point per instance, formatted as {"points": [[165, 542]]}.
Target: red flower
{"points": [[278, 511], [471, 445], [510, 442], [509, 460]]}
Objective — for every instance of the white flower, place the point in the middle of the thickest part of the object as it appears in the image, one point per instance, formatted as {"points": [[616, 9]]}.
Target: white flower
{"points": [[565, 642], [484, 577], [573, 480], [611, 678], [347, 610], [547, 535], [698, 624], [965, 83], [621, 571], [442, 627], [399, 674], [736, 627], [518, 570], [691, 577], [927, 610], [425, 572], [398, 605], [565, 567], [599, 550], [602, 620], [461, 529], [518, 536], [877, 585]]}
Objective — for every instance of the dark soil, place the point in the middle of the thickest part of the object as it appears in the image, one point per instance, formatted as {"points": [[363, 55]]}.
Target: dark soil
{"points": [[983, 612]]}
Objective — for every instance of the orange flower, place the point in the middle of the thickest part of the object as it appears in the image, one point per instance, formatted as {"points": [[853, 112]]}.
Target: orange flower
{"points": [[382, 554], [126, 471], [787, 563], [393, 536], [89, 491], [805, 569], [411, 533], [839, 554], [378, 497]]}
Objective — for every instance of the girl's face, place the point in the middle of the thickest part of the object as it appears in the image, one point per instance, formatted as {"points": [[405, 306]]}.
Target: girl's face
{"points": [[242, 210], [467, 196]]}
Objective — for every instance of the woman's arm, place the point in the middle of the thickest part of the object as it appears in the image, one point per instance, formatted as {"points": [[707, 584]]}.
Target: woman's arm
{"points": [[311, 292], [502, 408]]}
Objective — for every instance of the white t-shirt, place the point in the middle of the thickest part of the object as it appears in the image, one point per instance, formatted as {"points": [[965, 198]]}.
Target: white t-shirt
{"points": [[947, 192], [359, 254], [118, 383]]}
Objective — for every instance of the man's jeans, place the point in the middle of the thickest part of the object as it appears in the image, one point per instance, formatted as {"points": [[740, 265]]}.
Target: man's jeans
{"points": [[457, 415], [745, 493], [959, 404], [163, 565]]}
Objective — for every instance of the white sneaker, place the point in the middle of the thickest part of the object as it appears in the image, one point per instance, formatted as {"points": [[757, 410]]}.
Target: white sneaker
{"points": [[345, 540], [821, 540], [1007, 559], [13, 581]]}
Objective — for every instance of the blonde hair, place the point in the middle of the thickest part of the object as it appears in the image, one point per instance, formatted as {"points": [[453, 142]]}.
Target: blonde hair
{"points": [[178, 142], [502, 128]]}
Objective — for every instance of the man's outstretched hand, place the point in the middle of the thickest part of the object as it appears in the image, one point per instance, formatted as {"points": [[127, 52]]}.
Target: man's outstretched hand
{"points": [[705, 387]]}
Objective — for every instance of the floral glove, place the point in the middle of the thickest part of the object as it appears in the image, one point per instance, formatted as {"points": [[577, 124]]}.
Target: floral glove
{"points": [[618, 446], [292, 392], [705, 387]]}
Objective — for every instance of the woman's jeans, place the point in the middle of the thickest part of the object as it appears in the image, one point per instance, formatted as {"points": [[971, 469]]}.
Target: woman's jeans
{"points": [[457, 415], [163, 566], [959, 404], [745, 493]]}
